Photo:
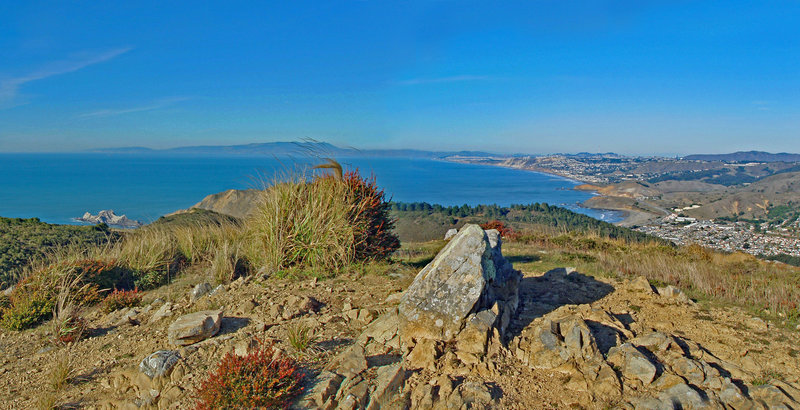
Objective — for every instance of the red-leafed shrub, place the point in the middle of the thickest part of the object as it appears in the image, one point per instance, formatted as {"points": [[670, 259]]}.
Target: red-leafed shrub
{"points": [[119, 299], [374, 236], [506, 232], [257, 380]]}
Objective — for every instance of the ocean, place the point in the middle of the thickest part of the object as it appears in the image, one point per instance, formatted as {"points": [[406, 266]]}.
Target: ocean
{"points": [[57, 188]]}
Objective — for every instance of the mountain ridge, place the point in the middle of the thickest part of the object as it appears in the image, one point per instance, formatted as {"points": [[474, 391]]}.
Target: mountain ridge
{"points": [[286, 148], [746, 156]]}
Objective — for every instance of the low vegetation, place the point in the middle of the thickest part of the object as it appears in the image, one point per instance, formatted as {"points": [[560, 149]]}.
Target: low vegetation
{"points": [[323, 223], [119, 299], [734, 278], [22, 240], [257, 380], [420, 221]]}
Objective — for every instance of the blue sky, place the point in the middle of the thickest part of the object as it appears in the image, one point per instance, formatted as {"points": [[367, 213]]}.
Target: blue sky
{"points": [[636, 77]]}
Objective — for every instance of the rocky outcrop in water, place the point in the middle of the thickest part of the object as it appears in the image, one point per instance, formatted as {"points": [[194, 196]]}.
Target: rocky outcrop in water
{"points": [[108, 217]]}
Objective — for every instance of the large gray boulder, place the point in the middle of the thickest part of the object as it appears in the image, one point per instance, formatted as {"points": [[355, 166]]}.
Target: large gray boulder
{"points": [[468, 276], [194, 327]]}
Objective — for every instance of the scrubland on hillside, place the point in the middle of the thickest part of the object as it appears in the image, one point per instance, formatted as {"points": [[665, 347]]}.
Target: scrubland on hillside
{"points": [[313, 265]]}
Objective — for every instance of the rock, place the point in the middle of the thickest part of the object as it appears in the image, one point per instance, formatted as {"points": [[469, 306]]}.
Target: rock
{"points": [[247, 307], [164, 311], [450, 234], [471, 342], [475, 394], [194, 327], [634, 364], [562, 336], [673, 293], [159, 363], [642, 284], [467, 276], [110, 218], [325, 386], [308, 304], [388, 382], [243, 347], [689, 370], [219, 289], [394, 298], [366, 316], [423, 355], [351, 362], [199, 291], [127, 317], [684, 397], [757, 324]]}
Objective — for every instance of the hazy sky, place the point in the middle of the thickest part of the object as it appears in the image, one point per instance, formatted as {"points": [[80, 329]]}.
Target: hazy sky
{"points": [[531, 76]]}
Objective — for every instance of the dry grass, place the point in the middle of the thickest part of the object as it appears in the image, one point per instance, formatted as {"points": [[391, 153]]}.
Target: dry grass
{"points": [[60, 375], [734, 278], [47, 401], [301, 223]]}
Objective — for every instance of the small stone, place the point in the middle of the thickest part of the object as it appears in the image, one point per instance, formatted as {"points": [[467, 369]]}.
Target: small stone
{"points": [[450, 234], [218, 290], [164, 311], [642, 284], [159, 363], [199, 291], [195, 327]]}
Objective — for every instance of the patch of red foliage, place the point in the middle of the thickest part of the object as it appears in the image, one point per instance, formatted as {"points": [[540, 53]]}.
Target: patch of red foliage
{"points": [[257, 380], [122, 298], [506, 232], [375, 239]]}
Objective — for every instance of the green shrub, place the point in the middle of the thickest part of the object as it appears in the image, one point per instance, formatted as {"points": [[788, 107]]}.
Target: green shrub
{"points": [[257, 380], [23, 240], [27, 312]]}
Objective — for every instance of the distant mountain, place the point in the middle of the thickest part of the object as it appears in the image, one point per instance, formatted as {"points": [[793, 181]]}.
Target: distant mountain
{"points": [[746, 156], [285, 149]]}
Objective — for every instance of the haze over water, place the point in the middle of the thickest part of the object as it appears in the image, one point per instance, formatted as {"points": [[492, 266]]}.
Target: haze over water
{"points": [[59, 187]]}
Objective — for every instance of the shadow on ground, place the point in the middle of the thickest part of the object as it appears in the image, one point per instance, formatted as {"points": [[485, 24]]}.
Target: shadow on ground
{"points": [[231, 324], [541, 295]]}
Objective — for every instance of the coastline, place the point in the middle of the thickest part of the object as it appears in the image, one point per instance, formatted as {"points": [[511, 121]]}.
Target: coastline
{"points": [[630, 217]]}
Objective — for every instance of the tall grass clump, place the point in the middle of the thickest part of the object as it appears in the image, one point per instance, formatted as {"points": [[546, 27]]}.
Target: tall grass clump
{"points": [[227, 261], [68, 326], [302, 223], [326, 222]]}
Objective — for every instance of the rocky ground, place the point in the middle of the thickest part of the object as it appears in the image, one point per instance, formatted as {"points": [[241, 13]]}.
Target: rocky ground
{"points": [[536, 340]]}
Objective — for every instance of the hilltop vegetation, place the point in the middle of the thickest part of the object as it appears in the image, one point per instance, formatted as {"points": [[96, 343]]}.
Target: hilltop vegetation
{"points": [[24, 239], [420, 221], [325, 223]]}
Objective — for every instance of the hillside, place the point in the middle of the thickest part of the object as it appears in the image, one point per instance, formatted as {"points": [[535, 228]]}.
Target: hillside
{"points": [[693, 350], [746, 156], [755, 200], [22, 240]]}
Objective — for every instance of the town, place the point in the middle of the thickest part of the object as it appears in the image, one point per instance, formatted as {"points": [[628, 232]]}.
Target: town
{"points": [[726, 236]]}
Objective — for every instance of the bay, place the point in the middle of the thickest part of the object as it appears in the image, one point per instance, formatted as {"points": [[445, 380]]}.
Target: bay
{"points": [[60, 187]]}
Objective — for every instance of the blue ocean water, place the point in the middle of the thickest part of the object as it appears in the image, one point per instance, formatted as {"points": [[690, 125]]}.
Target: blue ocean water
{"points": [[59, 187]]}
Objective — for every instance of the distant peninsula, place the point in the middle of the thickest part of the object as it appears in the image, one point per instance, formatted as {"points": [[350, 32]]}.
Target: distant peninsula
{"points": [[289, 149]]}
